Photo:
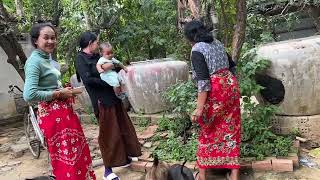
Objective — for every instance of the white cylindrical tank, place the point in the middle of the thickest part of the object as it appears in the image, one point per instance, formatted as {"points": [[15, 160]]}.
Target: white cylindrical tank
{"points": [[147, 80], [296, 63]]}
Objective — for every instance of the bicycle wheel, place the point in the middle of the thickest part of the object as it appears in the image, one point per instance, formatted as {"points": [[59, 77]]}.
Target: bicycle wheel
{"points": [[32, 138]]}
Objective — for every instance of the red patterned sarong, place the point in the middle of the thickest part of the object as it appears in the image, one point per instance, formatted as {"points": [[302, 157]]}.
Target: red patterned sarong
{"points": [[67, 145], [219, 138]]}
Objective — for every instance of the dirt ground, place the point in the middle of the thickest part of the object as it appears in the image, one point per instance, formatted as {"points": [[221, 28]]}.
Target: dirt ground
{"points": [[25, 166]]}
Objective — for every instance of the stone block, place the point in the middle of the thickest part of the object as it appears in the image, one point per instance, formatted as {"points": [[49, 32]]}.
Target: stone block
{"points": [[14, 163], [18, 149], [148, 133], [5, 147], [138, 166], [147, 145], [282, 165], [264, 165]]}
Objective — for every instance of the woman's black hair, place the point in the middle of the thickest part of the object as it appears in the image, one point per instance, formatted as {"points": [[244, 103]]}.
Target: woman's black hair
{"points": [[86, 38], [35, 31], [195, 31]]}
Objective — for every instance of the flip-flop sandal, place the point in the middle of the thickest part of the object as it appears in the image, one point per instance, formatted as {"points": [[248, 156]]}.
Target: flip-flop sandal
{"points": [[195, 175], [133, 159], [111, 176], [126, 165]]}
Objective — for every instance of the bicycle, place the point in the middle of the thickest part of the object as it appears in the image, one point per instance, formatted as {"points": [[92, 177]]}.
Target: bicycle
{"points": [[33, 133]]}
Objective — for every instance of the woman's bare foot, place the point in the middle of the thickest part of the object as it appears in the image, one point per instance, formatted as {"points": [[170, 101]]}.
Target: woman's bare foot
{"points": [[202, 174], [235, 174]]}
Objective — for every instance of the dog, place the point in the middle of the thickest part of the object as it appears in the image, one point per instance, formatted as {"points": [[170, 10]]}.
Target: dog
{"points": [[158, 171], [42, 178], [162, 171], [180, 172]]}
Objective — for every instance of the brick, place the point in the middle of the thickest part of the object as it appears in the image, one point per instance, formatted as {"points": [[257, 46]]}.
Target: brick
{"points": [[138, 166], [296, 144], [264, 165], [246, 165], [294, 157], [148, 133], [282, 165]]}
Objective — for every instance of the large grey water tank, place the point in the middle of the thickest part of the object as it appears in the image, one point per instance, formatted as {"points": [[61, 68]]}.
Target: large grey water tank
{"points": [[147, 80], [296, 64]]}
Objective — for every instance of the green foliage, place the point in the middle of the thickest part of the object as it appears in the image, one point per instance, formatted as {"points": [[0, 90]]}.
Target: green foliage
{"points": [[164, 123], [257, 138], [173, 148], [248, 67], [182, 97], [177, 126], [143, 122], [93, 119]]}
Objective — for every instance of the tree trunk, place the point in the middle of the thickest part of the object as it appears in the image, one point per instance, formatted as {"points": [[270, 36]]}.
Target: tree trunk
{"points": [[208, 15], [87, 20], [194, 6], [314, 13], [57, 13], [225, 23], [181, 8], [19, 8], [14, 51], [9, 42], [240, 30]]}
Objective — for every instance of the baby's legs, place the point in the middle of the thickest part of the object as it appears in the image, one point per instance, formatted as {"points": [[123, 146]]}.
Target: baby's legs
{"points": [[117, 90]]}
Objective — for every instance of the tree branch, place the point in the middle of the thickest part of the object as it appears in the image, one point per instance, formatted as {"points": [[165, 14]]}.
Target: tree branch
{"points": [[314, 13], [239, 33]]}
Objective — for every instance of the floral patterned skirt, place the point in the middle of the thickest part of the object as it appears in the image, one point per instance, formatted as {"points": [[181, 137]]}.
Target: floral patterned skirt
{"points": [[219, 138], [67, 145]]}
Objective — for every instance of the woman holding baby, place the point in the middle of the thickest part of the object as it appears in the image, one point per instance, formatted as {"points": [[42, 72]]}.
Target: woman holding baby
{"points": [[117, 137]]}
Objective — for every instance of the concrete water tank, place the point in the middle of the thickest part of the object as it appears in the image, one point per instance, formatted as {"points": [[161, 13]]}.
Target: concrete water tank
{"points": [[293, 80], [293, 84], [83, 98], [147, 80]]}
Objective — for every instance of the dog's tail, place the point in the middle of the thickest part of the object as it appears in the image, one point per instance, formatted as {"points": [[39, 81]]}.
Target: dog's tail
{"points": [[155, 160], [185, 161]]}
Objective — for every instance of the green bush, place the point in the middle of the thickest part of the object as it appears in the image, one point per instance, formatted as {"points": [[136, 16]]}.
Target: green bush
{"points": [[173, 148]]}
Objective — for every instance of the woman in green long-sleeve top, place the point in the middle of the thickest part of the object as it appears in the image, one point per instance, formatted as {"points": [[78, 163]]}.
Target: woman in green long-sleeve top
{"points": [[67, 145]]}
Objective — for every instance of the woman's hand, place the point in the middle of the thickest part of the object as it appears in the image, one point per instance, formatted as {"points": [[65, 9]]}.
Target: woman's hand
{"points": [[66, 92], [107, 66], [197, 113], [63, 93]]}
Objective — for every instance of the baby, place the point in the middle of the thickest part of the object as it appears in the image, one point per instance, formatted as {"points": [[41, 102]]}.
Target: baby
{"points": [[110, 76]]}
